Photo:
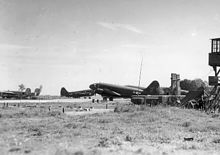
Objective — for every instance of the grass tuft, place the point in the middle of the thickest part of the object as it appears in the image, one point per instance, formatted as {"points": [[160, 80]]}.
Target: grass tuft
{"points": [[14, 149], [54, 113], [104, 142], [105, 120], [128, 138], [186, 124], [35, 131], [67, 152], [71, 126], [216, 140], [120, 109]]}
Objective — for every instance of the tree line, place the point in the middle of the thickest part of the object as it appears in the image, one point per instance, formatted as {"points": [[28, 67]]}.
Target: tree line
{"points": [[195, 84]]}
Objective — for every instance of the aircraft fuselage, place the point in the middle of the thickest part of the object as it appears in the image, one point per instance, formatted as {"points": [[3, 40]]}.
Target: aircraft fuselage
{"points": [[110, 90]]}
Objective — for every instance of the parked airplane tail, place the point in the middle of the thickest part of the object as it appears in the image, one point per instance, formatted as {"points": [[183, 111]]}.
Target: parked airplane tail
{"points": [[64, 92], [37, 91], [28, 91], [152, 89]]}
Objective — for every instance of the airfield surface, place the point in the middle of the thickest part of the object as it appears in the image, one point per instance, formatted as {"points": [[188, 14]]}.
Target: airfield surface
{"points": [[45, 101], [33, 127]]}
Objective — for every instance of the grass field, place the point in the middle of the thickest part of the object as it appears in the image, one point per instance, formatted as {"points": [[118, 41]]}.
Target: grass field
{"points": [[29, 129]]}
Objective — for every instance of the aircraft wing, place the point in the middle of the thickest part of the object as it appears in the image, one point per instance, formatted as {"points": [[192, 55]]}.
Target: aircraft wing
{"points": [[136, 87], [108, 92], [84, 92]]}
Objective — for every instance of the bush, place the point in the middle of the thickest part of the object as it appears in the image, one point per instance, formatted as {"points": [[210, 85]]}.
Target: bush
{"points": [[54, 113], [216, 140], [192, 84], [128, 138], [104, 142]]}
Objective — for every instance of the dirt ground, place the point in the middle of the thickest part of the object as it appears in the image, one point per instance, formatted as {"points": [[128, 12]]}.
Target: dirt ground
{"points": [[43, 128]]}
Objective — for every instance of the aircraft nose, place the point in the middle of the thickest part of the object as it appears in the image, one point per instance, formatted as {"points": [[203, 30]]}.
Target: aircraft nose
{"points": [[92, 86]]}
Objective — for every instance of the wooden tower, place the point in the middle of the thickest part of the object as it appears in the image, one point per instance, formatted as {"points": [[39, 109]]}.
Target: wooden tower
{"points": [[214, 62]]}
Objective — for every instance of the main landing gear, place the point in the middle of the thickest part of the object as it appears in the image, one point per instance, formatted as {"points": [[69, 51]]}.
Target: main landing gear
{"points": [[105, 99]]}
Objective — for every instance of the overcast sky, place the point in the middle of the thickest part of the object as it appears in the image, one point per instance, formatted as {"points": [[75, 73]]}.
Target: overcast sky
{"points": [[74, 43]]}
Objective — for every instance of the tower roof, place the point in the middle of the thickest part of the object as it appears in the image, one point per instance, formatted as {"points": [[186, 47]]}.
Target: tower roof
{"points": [[215, 39]]}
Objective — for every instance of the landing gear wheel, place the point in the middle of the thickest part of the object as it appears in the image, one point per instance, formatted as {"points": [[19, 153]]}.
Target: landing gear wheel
{"points": [[111, 99]]}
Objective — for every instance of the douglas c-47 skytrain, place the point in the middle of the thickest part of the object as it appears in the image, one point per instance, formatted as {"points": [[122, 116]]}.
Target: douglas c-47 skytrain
{"points": [[116, 91], [113, 91], [76, 94]]}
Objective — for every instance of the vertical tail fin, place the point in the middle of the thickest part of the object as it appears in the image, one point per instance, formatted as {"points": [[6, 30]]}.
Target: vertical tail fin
{"points": [[28, 92], [37, 91], [152, 89], [64, 92]]}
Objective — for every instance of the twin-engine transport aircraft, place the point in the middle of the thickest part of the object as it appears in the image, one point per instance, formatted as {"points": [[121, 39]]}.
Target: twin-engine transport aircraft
{"points": [[27, 94], [116, 91], [76, 94]]}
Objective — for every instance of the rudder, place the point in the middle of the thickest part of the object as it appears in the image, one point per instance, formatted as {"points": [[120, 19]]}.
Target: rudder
{"points": [[28, 92], [64, 92], [152, 89], [37, 91]]}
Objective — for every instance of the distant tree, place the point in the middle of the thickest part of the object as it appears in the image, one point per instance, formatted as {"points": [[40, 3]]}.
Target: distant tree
{"points": [[21, 87], [197, 83], [185, 84], [192, 84], [208, 88]]}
